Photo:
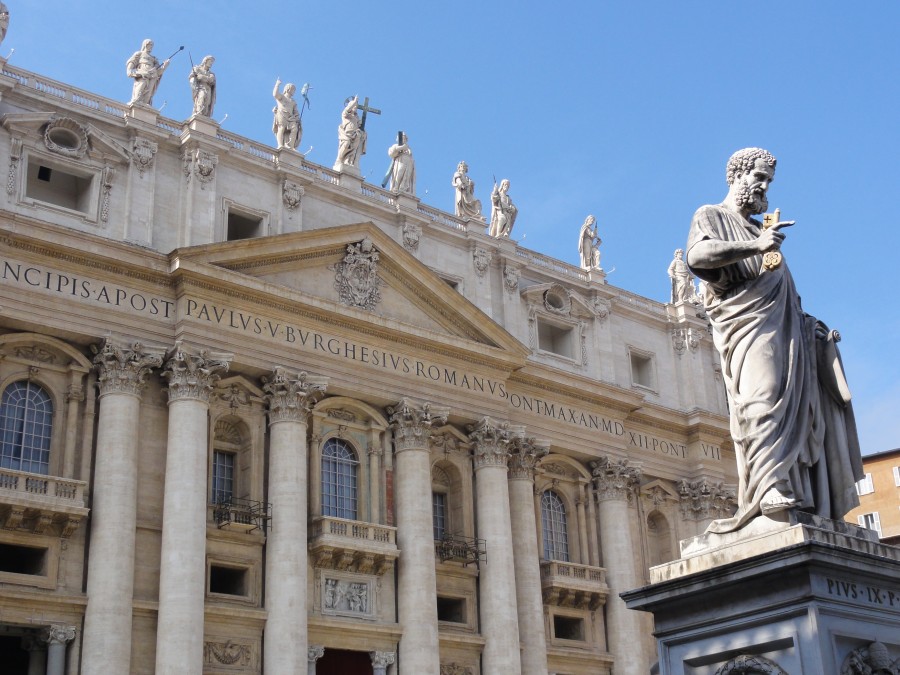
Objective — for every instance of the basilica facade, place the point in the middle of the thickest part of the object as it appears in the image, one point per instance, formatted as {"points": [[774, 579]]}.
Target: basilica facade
{"points": [[260, 416]]}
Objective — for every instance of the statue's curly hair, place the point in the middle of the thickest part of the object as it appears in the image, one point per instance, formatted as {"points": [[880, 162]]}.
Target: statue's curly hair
{"points": [[742, 162]]}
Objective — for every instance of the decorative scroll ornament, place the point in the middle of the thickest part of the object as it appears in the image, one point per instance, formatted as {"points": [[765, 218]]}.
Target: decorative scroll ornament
{"points": [[356, 278], [746, 664], [290, 397], [107, 178], [192, 376], [123, 369], [482, 260], [315, 652], [200, 163], [66, 137], [382, 659], [601, 309], [702, 499], [510, 278], [614, 478], [58, 634], [234, 395], [143, 152], [412, 424], [875, 659], [491, 440], [683, 338], [227, 653], [524, 454], [557, 300], [291, 194]]}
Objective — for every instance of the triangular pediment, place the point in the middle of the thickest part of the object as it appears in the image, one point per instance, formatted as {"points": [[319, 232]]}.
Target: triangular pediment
{"points": [[358, 272]]}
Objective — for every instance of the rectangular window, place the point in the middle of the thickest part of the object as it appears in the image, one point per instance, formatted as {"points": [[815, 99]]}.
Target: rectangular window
{"points": [[50, 183], [556, 340], [228, 580], [897, 476], [222, 477], [439, 514], [642, 370], [568, 628], [451, 609], [870, 521], [865, 486], [244, 226], [23, 559]]}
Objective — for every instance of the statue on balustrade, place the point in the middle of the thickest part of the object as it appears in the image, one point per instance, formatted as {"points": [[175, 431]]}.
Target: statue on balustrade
{"points": [[589, 244], [791, 417], [146, 71], [351, 136], [402, 172], [286, 124], [466, 204], [682, 280], [503, 211], [203, 87], [4, 21]]}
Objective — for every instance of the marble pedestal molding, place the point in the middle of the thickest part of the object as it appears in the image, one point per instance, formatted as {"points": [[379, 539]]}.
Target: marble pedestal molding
{"points": [[106, 647], [182, 577], [416, 579], [795, 592], [529, 600], [285, 638], [499, 612], [615, 481]]}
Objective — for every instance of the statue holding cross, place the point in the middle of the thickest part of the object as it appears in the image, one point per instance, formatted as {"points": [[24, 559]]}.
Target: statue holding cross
{"points": [[352, 133]]}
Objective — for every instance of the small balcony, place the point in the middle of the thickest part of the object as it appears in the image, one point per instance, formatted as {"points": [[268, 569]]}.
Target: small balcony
{"points": [[337, 543], [456, 548], [571, 585], [242, 515], [41, 504]]}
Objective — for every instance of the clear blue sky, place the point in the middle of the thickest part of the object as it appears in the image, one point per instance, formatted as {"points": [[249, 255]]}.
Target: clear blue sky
{"points": [[627, 110]]}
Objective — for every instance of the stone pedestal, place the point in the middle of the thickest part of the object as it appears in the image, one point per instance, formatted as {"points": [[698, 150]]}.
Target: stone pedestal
{"points": [[795, 594]]}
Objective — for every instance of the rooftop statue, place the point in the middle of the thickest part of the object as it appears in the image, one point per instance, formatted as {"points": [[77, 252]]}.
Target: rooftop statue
{"points": [[402, 172], [286, 124], [351, 136], [4, 20], [791, 418], [203, 87], [503, 211], [147, 71], [466, 204], [682, 280], [589, 244]]}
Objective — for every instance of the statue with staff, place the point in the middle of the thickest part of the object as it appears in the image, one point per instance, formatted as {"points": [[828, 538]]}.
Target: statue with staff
{"points": [[589, 244], [146, 71], [287, 124]]}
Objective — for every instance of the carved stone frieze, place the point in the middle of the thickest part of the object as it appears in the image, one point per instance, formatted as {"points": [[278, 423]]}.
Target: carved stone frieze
{"points": [[200, 164], [455, 669], [190, 376], [290, 396], [491, 441], [291, 194], [873, 659], [558, 469], [123, 369], [747, 664], [344, 596], [412, 423], [15, 154], [31, 353], [143, 153], [702, 499], [234, 395], [341, 414], [524, 454], [614, 478], [228, 653], [356, 277], [481, 257]]}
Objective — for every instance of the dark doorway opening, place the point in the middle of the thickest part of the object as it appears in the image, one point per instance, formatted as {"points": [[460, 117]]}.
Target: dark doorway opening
{"points": [[12, 656], [344, 662]]}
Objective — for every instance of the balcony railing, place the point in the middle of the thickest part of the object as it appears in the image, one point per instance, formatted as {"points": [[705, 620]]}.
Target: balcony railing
{"points": [[245, 515], [354, 545], [456, 548], [34, 502], [572, 585]]}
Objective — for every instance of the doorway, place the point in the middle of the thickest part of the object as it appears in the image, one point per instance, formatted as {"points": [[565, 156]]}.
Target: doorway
{"points": [[344, 662]]}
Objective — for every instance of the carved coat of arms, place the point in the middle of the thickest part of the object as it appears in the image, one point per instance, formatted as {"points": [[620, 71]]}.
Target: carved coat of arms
{"points": [[356, 277]]}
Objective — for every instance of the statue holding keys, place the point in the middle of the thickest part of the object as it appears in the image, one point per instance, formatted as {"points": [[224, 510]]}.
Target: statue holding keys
{"points": [[791, 418]]}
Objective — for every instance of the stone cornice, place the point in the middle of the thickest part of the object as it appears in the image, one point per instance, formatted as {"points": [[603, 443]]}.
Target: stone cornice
{"points": [[491, 441], [614, 478], [290, 396], [412, 424], [193, 377], [524, 453], [124, 370]]}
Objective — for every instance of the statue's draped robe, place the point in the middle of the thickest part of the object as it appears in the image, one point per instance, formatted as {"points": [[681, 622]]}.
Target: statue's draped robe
{"points": [[466, 204], [403, 169], [789, 421]]}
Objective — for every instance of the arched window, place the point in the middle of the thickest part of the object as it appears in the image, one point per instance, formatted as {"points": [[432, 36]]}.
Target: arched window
{"points": [[26, 420], [339, 472], [658, 539], [553, 523]]}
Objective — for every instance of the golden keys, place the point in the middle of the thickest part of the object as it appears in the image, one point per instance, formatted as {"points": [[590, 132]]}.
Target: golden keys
{"points": [[772, 259]]}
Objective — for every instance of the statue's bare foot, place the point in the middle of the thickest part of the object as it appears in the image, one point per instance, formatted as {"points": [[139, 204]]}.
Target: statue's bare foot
{"points": [[775, 500]]}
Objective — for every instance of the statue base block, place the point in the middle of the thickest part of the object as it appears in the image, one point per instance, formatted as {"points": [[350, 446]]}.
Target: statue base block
{"points": [[791, 593]]}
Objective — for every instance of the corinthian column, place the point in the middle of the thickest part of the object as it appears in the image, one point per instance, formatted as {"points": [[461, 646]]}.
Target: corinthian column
{"points": [[57, 637], [290, 398], [417, 585], [525, 452], [179, 633], [614, 481], [499, 614], [122, 372]]}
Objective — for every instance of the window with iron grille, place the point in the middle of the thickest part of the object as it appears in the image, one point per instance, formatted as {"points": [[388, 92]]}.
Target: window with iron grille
{"points": [[553, 523], [222, 477], [26, 421], [439, 514], [339, 477]]}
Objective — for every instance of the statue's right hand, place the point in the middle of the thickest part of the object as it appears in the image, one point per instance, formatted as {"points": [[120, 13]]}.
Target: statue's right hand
{"points": [[771, 238]]}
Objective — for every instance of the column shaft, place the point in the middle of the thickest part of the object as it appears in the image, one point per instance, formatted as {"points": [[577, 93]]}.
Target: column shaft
{"points": [[582, 528]]}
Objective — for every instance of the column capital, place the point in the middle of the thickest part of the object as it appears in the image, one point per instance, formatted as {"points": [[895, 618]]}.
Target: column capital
{"points": [[524, 455], [122, 369], [290, 396], [614, 478], [193, 377], [491, 440], [57, 634], [315, 652], [382, 659], [412, 423]]}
